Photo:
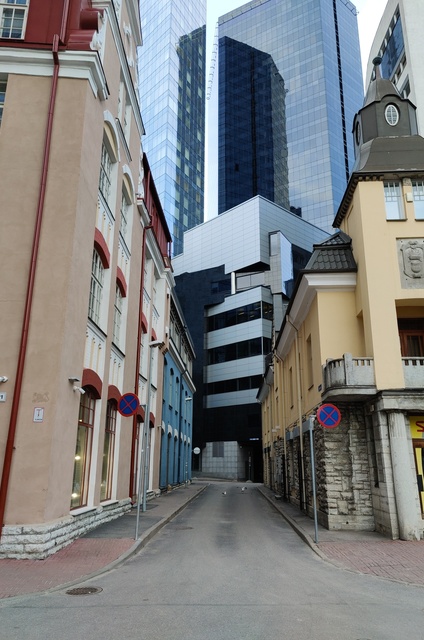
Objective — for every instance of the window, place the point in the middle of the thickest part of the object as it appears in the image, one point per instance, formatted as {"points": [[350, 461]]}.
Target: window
{"points": [[105, 173], [83, 451], [124, 216], [108, 452], [392, 115], [12, 19], [217, 450], [3, 83], [117, 316], [309, 364], [393, 199], [411, 334], [418, 195], [96, 288]]}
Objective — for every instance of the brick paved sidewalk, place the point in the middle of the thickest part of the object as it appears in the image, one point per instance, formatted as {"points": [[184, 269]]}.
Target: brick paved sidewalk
{"points": [[97, 551], [365, 552]]}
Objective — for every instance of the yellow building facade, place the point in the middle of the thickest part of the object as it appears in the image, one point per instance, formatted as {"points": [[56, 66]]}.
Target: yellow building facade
{"points": [[353, 338]]}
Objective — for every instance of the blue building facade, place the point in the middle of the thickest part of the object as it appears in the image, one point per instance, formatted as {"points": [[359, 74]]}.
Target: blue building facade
{"points": [[314, 46], [172, 71], [178, 400]]}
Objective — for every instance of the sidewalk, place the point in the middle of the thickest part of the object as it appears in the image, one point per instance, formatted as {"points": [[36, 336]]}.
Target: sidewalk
{"points": [[364, 552], [99, 550]]}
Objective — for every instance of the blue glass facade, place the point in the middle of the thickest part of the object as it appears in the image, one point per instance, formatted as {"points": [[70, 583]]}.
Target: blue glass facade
{"points": [[172, 72], [314, 46], [393, 51]]}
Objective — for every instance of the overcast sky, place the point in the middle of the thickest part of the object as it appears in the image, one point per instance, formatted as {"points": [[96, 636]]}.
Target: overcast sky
{"points": [[369, 14]]}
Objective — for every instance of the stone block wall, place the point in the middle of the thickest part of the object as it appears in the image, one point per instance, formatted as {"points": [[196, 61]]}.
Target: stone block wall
{"points": [[38, 541]]}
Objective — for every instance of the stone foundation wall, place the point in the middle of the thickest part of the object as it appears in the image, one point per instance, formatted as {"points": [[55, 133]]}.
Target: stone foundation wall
{"points": [[37, 541]]}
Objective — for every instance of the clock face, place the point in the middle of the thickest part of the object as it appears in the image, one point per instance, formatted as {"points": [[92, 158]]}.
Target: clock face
{"points": [[358, 133], [392, 115]]}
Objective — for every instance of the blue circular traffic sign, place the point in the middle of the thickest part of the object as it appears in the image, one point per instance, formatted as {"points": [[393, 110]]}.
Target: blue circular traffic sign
{"points": [[329, 416], [128, 404]]}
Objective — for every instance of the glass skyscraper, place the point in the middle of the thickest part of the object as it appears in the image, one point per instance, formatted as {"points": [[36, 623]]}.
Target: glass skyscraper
{"points": [[288, 72], [172, 72]]}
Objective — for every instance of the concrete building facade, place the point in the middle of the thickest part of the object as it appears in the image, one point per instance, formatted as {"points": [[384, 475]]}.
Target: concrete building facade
{"points": [[86, 277]]}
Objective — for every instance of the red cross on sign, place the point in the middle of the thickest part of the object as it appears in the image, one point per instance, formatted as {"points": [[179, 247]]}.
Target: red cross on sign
{"points": [[329, 416]]}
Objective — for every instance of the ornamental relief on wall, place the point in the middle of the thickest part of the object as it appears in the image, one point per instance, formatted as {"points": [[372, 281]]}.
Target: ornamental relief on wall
{"points": [[411, 262]]}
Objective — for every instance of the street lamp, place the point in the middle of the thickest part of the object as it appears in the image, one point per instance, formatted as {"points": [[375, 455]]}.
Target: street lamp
{"points": [[145, 441]]}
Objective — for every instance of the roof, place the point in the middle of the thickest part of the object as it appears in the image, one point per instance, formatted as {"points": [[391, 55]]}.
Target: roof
{"points": [[334, 254]]}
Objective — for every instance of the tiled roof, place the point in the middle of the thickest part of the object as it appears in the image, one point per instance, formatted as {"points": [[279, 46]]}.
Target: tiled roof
{"points": [[334, 254]]}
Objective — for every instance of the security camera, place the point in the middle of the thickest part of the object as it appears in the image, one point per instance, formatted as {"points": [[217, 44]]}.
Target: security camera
{"points": [[79, 389], [74, 379], [4, 378]]}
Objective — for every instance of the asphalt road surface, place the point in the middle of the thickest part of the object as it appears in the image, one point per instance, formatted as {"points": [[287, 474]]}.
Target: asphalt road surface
{"points": [[227, 568]]}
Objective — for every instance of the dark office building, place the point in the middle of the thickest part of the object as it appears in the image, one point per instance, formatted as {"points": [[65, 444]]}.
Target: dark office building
{"points": [[251, 99], [309, 49]]}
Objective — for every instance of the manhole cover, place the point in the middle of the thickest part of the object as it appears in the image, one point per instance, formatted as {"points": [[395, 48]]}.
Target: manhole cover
{"points": [[83, 591]]}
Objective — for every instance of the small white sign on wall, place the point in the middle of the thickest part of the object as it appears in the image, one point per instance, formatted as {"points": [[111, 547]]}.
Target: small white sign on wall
{"points": [[38, 414]]}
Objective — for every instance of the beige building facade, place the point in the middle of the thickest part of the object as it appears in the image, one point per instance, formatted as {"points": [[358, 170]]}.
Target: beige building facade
{"points": [[353, 339], [85, 282]]}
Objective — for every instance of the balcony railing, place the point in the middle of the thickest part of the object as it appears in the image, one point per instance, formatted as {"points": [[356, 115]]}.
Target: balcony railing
{"points": [[413, 371], [355, 376], [349, 376]]}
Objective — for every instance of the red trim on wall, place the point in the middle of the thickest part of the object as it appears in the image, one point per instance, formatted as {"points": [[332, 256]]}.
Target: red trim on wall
{"points": [[154, 336], [121, 282], [143, 323], [140, 413], [91, 379], [113, 393], [102, 248], [152, 420]]}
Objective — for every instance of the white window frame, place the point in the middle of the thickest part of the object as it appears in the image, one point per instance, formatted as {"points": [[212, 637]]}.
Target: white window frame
{"points": [[15, 12], [117, 316], [105, 178], [96, 288], [393, 200], [418, 195]]}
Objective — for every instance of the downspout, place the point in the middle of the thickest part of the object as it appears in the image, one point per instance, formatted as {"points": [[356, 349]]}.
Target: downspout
{"points": [[7, 464], [137, 362]]}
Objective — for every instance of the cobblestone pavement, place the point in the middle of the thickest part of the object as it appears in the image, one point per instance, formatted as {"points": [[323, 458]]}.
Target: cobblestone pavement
{"points": [[364, 552]]}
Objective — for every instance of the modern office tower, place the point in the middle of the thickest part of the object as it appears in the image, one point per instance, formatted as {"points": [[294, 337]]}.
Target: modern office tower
{"points": [[289, 74], [172, 66], [233, 279], [399, 43]]}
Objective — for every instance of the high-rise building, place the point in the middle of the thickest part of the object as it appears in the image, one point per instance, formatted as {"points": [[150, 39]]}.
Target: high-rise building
{"points": [[172, 65], [233, 281], [399, 43], [289, 84]]}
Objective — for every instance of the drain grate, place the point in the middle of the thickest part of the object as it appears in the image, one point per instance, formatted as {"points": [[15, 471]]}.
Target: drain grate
{"points": [[84, 591]]}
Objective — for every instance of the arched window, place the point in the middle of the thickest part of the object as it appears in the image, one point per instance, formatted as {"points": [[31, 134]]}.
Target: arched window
{"points": [[117, 316], [108, 452], [83, 450]]}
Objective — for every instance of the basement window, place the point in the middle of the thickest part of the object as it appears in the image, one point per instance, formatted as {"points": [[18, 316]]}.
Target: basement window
{"points": [[3, 83]]}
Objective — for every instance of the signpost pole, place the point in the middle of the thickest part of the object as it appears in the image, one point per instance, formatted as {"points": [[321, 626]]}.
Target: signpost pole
{"points": [[314, 489]]}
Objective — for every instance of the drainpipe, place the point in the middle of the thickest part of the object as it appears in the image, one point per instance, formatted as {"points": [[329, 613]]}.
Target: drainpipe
{"points": [[138, 351], [7, 464]]}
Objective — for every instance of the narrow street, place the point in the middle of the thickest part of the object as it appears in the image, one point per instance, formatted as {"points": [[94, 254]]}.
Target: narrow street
{"points": [[227, 568]]}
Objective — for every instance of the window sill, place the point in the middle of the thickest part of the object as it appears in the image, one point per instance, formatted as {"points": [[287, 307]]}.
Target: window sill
{"points": [[81, 510]]}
